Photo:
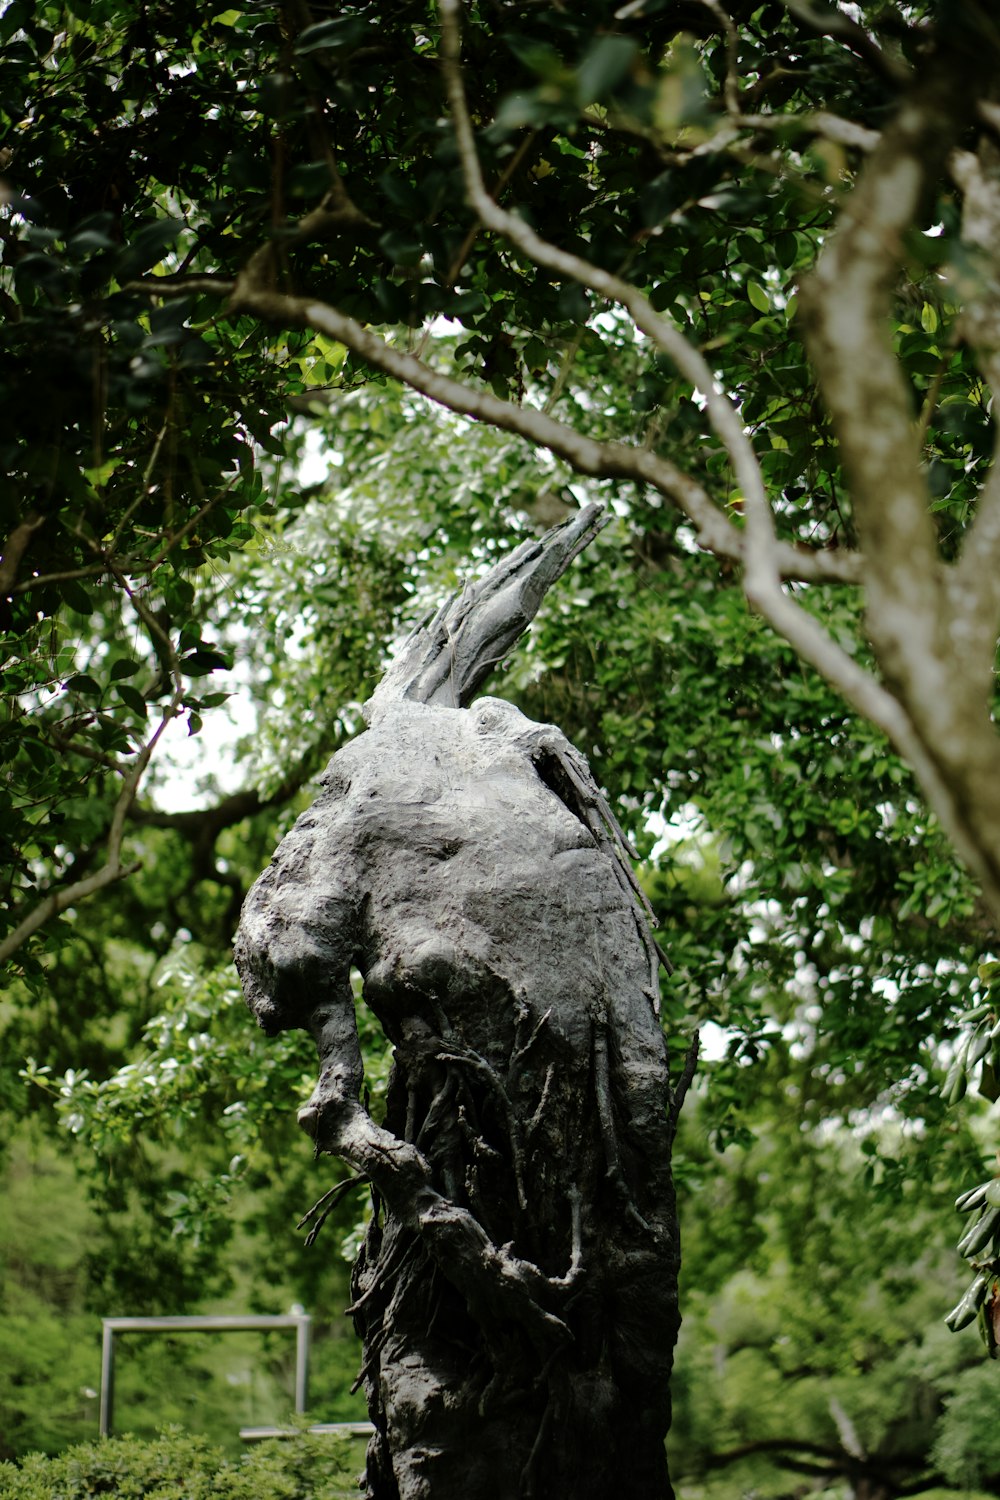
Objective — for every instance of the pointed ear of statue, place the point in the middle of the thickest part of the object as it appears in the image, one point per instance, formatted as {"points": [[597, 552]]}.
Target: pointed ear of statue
{"points": [[447, 658]]}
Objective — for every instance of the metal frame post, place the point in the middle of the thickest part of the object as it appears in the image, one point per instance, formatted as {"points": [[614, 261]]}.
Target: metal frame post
{"points": [[302, 1334], [300, 1321], [107, 1378]]}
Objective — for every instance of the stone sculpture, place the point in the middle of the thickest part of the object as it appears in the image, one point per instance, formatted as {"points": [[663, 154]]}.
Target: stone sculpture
{"points": [[516, 1292]]}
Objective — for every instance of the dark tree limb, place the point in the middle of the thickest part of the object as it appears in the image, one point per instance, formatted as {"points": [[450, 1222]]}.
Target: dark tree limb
{"points": [[14, 549]]}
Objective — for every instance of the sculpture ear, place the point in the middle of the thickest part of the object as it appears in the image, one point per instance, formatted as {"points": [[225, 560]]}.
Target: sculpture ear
{"points": [[447, 658]]}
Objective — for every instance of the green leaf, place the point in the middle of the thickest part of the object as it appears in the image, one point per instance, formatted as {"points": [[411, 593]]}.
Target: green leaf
{"points": [[132, 698], [147, 246], [76, 597], [81, 683], [751, 251], [342, 32], [199, 663], [402, 247], [603, 68], [786, 249], [124, 667], [758, 297]]}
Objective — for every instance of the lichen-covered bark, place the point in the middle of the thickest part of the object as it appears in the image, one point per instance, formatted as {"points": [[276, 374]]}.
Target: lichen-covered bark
{"points": [[516, 1293]]}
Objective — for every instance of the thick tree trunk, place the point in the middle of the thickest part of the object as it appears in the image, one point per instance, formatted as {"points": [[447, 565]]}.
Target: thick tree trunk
{"points": [[517, 1290]]}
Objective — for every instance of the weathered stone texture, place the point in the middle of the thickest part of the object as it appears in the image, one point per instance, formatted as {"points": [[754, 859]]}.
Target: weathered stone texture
{"points": [[517, 1289]]}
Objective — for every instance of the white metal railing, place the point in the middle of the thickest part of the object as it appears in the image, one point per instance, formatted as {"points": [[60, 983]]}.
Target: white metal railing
{"points": [[300, 1321]]}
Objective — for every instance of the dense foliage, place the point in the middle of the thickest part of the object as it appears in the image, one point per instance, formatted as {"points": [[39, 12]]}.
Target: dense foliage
{"points": [[175, 1464], [181, 192]]}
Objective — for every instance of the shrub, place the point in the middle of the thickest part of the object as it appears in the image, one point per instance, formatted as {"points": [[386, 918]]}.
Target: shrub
{"points": [[176, 1466]]}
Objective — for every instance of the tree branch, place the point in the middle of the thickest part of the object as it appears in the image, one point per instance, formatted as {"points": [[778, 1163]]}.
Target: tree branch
{"points": [[849, 308], [14, 549], [833, 1460], [202, 825], [113, 869], [94, 570], [832, 22], [761, 551], [816, 122], [601, 460], [845, 304], [938, 664], [181, 286], [975, 596]]}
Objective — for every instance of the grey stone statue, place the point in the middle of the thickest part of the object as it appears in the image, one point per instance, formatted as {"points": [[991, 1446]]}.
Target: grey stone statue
{"points": [[516, 1293]]}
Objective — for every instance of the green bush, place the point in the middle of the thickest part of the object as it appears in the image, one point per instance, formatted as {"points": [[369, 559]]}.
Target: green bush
{"points": [[176, 1466]]}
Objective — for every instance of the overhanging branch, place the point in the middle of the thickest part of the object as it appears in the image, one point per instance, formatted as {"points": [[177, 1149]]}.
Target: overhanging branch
{"points": [[761, 550], [586, 455]]}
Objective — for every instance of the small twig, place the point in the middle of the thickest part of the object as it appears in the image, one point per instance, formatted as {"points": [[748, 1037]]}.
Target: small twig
{"points": [[458, 261], [572, 1275], [931, 400], [383, 1268], [94, 570], [505, 176], [143, 490], [543, 1104], [375, 1347], [181, 286], [75, 747], [731, 84], [325, 1206], [473, 1060], [562, 374], [605, 1114], [679, 1094], [520, 1052], [192, 522], [439, 1109], [526, 1486]]}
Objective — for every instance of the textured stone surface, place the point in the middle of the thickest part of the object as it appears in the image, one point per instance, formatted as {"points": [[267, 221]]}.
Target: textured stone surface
{"points": [[517, 1290]]}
